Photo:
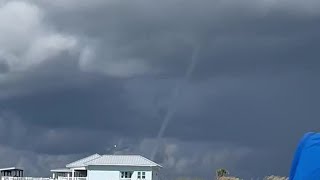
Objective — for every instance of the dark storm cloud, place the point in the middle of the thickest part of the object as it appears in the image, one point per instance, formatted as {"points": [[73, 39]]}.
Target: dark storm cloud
{"points": [[162, 34], [4, 67], [254, 91], [34, 164]]}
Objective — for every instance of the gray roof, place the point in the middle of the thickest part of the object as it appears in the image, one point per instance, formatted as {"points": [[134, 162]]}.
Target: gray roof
{"points": [[81, 162], [61, 170], [122, 160], [11, 168]]}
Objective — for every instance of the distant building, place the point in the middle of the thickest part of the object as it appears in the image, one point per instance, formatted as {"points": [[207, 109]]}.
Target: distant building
{"points": [[11, 172], [109, 167], [14, 173]]}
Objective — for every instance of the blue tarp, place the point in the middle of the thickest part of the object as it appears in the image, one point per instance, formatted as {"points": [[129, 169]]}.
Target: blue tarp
{"points": [[306, 161]]}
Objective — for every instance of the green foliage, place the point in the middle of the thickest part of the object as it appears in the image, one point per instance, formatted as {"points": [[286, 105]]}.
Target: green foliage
{"points": [[221, 173]]}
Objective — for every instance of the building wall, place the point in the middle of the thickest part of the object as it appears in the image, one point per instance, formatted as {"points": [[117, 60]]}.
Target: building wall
{"points": [[114, 172], [155, 173]]}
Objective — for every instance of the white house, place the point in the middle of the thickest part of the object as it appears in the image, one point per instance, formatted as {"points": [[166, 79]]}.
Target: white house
{"points": [[109, 167], [11, 172], [15, 173]]}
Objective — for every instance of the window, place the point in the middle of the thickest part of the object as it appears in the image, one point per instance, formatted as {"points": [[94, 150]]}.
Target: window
{"points": [[126, 174], [141, 175]]}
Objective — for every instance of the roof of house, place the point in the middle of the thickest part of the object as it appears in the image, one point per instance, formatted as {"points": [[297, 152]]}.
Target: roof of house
{"points": [[62, 170], [122, 160], [81, 162], [11, 168]]}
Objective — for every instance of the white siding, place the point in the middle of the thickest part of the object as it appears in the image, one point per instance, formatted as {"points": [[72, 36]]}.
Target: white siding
{"points": [[155, 173], [113, 172]]}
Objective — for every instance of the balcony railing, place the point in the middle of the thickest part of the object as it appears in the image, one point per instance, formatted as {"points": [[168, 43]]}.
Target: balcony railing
{"points": [[70, 178], [40, 178], [23, 178]]}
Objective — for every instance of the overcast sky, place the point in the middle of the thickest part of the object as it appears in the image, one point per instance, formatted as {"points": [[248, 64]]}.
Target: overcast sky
{"points": [[78, 76]]}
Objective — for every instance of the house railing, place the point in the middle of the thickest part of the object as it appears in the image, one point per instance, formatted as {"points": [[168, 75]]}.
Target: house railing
{"points": [[40, 178], [23, 178], [70, 178]]}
